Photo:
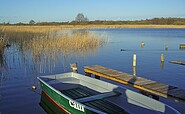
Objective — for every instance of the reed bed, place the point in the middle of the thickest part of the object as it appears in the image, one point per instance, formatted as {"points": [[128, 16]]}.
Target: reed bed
{"points": [[66, 44], [45, 47]]}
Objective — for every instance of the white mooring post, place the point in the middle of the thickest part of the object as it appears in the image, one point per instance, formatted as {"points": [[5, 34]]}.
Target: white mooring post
{"points": [[134, 60], [134, 65]]}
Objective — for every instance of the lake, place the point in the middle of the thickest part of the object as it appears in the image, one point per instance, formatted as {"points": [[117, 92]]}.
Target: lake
{"points": [[20, 66]]}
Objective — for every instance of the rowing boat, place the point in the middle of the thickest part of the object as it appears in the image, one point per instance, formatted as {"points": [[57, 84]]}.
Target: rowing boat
{"points": [[74, 93]]}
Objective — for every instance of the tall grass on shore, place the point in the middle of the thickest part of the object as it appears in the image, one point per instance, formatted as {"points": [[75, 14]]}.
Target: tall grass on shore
{"points": [[44, 49]]}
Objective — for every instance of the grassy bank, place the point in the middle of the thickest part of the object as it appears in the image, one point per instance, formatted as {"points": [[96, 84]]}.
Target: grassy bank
{"points": [[68, 27]]}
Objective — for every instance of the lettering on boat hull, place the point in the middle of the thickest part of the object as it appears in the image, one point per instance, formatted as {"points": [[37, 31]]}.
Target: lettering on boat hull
{"points": [[76, 106]]}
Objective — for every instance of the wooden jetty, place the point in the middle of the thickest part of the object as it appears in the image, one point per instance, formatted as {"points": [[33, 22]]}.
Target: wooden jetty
{"points": [[178, 62], [149, 87]]}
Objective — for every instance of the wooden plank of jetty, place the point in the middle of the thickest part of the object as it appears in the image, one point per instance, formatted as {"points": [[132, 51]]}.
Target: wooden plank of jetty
{"points": [[142, 84], [178, 62]]}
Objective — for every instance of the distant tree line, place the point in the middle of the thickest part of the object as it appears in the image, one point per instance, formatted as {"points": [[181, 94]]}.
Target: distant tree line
{"points": [[83, 20]]}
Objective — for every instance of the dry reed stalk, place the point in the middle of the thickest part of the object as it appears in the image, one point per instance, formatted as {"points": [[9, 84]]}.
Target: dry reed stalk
{"points": [[51, 46]]}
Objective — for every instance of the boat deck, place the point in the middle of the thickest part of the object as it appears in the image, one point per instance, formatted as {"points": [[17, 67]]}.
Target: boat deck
{"points": [[97, 103], [76, 93]]}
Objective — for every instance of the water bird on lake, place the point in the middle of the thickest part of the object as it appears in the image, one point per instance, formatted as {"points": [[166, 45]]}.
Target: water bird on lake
{"points": [[8, 45], [122, 50]]}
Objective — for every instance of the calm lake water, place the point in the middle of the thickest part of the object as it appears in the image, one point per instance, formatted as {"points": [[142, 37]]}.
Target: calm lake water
{"points": [[18, 73]]}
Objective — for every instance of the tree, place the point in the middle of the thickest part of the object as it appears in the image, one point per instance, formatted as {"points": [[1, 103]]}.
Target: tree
{"points": [[81, 18], [32, 22]]}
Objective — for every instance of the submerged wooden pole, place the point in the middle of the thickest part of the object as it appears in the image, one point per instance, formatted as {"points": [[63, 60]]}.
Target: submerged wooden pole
{"points": [[74, 67], [166, 47]]}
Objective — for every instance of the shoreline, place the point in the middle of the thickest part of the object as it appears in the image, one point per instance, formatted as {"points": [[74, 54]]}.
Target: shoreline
{"points": [[72, 27], [129, 26]]}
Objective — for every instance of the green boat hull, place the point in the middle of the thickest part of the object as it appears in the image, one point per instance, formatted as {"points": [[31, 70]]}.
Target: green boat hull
{"points": [[64, 105], [49, 106]]}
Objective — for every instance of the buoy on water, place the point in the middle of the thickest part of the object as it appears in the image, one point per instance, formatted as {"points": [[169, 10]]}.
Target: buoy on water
{"points": [[142, 44], [33, 87]]}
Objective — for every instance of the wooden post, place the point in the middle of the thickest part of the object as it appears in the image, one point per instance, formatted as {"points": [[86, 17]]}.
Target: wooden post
{"points": [[155, 97], [162, 57], [74, 67], [88, 74], [166, 47], [144, 92], [134, 60], [97, 77]]}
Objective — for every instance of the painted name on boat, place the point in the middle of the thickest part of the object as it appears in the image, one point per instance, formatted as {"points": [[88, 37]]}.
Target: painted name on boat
{"points": [[76, 106]]}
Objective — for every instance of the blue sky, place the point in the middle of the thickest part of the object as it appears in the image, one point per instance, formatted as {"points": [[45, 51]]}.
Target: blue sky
{"points": [[15, 11]]}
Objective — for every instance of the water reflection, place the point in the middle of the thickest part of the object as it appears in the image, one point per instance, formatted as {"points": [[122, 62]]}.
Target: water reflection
{"points": [[1, 58], [2, 63], [162, 65]]}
